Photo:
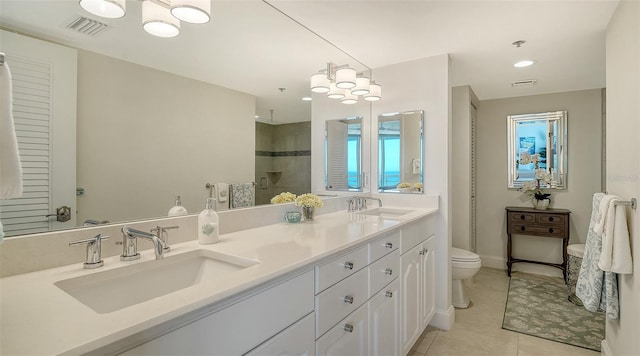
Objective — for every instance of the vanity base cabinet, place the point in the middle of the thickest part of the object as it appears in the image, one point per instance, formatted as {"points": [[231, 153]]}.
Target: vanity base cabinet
{"points": [[384, 321], [348, 337], [242, 326], [417, 290], [298, 339]]}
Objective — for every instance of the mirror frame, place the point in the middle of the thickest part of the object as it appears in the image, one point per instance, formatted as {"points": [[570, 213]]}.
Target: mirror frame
{"points": [[561, 116], [361, 175], [385, 117]]}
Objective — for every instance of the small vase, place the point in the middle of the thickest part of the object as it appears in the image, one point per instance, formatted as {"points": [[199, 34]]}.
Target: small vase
{"points": [[308, 212], [540, 204]]}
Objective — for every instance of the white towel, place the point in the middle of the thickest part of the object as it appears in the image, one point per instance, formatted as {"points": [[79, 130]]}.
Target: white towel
{"points": [[222, 194], [601, 214], [10, 168], [616, 250]]}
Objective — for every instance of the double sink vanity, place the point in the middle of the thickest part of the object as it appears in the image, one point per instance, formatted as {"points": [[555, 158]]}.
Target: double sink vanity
{"points": [[325, 286]]}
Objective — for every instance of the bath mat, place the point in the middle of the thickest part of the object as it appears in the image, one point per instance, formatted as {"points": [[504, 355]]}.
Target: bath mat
{"points": [[540, 308]]}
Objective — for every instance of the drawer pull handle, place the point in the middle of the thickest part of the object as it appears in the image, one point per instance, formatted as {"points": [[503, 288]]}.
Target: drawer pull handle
{"points": [[388, 271], [551, 218], [522, 228], [388, 245], [521, 217], [388, 294], [551, 231], [348, 265], [348, 328], [348, 299]]}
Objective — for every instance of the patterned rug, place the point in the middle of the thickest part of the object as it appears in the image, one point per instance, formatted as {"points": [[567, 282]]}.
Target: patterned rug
{"points": [[540, 308]]}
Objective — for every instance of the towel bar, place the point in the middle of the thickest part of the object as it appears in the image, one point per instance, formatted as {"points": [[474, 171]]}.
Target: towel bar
{"points": [[633, 203]]}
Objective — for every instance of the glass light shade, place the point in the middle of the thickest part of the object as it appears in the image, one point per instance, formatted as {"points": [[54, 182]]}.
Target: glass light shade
{"points": [[349, 98], [320, 83], [335, 92], [346, 78], [157, 20], [111, 9], [192, 11], [375, 92], [362, 86]]}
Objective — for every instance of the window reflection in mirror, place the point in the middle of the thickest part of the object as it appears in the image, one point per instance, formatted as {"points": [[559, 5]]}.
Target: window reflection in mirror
{"points": [[400, 152], [343, 156], [542, 135]]}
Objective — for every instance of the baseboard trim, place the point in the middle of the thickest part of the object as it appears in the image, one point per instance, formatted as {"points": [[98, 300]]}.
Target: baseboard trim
{"points": [[604, 348], [494, 262], [501, 263], [444, 320]]}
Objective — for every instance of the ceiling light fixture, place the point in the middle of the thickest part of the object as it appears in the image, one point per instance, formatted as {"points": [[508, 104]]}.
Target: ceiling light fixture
{"points": [[523, 63], [307, 98], [343, 82], [159, 17], [111, 9]]}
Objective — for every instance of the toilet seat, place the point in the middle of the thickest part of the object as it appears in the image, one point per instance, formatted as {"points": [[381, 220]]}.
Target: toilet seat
{"points": [[460, 255]]}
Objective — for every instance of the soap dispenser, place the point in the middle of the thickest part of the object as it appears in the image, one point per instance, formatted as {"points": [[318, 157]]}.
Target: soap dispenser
{"points": [[178, 209], [208, 224]]}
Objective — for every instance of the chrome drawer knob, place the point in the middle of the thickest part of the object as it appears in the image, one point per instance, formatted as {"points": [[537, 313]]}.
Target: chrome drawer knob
{"points": [[348, 265], [388, 271], [348, 328], [388, 294], [348, 299], [388, 245]]}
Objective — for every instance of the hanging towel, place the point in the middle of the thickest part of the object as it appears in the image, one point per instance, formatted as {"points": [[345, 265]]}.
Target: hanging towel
{"points": [[222, 194], [596, 288], [616, 249], [242, 195], [10, 168], [603, 212]]}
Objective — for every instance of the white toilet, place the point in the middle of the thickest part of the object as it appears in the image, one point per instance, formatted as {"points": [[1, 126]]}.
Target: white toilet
{"points": [[464, 265]]}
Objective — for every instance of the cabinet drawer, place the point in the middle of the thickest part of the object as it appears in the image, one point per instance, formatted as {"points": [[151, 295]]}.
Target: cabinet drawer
{"points": [[553, 219], [349, 337], [338, 301], [522, 217], [383, 272], [537, 230], [298, 339], [415, 233], [339, 268], [384, 246]]}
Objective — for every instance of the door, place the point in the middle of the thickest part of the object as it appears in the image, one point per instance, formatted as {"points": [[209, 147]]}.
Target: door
{"points": [[44, 80], [428, 283], [384, 321], [411, 295]]}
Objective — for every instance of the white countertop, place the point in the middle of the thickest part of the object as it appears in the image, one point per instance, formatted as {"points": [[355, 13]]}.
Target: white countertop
{"points": [[37, 317]]}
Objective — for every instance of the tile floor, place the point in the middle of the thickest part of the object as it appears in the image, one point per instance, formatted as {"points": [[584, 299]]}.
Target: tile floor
{"points": [[478, 329]]}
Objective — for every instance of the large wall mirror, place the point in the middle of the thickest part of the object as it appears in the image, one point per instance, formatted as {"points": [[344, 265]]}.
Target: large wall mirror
{"points": [[400, 152], [343, 154], [542, 136]]}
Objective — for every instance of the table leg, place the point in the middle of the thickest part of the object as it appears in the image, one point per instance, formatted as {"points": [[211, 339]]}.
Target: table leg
{"points": [[509, 263]]}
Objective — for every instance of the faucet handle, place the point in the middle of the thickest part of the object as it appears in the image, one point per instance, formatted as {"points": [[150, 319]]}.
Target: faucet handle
{"points": [[163, 234], [93, 258]]}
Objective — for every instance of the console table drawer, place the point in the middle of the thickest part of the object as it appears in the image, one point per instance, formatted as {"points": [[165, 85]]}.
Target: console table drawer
{"points": [[522, 217], [537, 230], [554, 219]]}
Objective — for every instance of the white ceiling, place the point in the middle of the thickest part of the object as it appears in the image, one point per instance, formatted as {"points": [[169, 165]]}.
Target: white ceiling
{"points": [[251, 47]]}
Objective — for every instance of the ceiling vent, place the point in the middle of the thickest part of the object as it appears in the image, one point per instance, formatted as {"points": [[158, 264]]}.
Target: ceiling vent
{"points": [[86, 26], [524, 83]]}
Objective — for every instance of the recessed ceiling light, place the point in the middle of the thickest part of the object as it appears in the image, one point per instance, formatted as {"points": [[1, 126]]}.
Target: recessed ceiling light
{"points": [[256, 117], [524, 63], [307, 98]]}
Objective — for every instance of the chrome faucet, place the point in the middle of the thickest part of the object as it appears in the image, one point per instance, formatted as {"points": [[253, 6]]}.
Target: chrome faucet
{"points": [[93, 258], [360, 203], [130, 244], [163, 234]]}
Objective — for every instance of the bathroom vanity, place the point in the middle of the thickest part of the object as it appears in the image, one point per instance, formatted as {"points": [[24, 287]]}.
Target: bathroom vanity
{"points": [[346, 283]]}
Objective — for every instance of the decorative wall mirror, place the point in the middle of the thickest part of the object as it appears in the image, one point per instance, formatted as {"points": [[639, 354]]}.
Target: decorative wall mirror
{"points": [[343, 154], [400, 152], [542, 136]]}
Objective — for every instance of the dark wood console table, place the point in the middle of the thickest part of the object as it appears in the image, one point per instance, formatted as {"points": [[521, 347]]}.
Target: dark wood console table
{"points": [[545, 223]]}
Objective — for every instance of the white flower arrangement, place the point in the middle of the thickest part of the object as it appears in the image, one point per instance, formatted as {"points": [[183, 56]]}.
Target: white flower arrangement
{"points": [[532, 187], [418, 186], [403, 185], [309, 200], [284, 197]]}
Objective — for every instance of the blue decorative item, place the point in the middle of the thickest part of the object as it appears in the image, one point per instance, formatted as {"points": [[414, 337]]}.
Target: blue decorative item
{"points": [[292, 217]]}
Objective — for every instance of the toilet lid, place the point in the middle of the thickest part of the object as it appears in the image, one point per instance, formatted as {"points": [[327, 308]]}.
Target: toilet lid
{"points": [[458, 254]]}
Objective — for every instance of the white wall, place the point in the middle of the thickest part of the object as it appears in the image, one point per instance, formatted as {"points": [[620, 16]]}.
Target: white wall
{"points": [[623, 161], [422, 84], [145, 136], [584, 158]]}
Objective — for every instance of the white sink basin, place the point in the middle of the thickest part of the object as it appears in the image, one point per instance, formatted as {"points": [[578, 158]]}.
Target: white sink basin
{"points": [[387, 212], [118, 288]]}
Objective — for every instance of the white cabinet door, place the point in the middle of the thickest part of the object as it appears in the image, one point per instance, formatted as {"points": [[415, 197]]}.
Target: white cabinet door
{"points": [[410, 291], [350, 337], [384, 321], [428, 282], [298, 339]]}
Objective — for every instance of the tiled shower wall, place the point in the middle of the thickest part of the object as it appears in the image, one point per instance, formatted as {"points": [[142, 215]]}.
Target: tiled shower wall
{"points": [[282, 148]]}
